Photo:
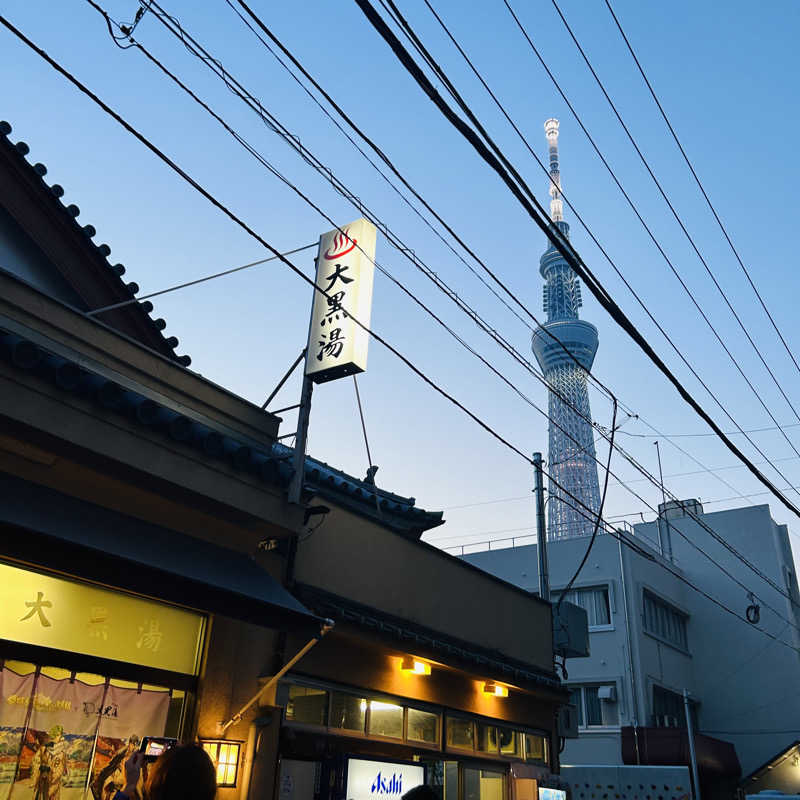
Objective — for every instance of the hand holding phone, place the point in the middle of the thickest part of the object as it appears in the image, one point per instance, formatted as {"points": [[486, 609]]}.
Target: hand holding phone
{"points": [[154, 746]]}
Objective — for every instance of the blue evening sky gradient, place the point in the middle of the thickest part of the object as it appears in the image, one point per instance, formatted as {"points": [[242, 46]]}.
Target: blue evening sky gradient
{"points": [[726, 76]]}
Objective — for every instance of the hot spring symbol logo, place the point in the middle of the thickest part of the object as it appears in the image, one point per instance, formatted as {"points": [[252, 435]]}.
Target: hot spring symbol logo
{"points": [[383, 785], [341, 245]]}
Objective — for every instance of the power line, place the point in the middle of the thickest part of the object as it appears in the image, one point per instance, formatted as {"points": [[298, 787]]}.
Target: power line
{"points": [[585, 558], [262, 26], [186, 177], [644, 224], [236, 219], [255, 153], [554, 234], [197, 280], [242, 224], [208, 59], [294, 60], [545, 170], [700, 185], [694, 247], [505, 170]]}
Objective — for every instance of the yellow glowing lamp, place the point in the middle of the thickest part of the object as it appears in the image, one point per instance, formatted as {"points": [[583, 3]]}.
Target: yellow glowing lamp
{"points": [[490, 687], [412, 666], [225, 756]]}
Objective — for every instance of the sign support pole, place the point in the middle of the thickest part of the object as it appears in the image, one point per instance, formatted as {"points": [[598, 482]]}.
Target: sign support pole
{"points": [[299, 457]]}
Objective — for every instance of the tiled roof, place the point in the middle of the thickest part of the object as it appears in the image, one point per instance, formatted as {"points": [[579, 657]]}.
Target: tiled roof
{"points": [[97, 253], [271, 463]]}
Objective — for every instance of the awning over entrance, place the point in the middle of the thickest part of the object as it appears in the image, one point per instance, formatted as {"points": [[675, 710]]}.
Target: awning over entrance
{"points": [[43, 527]]}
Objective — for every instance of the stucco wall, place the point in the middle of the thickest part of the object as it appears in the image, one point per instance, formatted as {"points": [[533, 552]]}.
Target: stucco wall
{"points": [[354, 558]]}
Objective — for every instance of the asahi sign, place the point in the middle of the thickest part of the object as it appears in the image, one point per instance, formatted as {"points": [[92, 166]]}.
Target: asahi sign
{"points": [[381, 780], [337, 346]]}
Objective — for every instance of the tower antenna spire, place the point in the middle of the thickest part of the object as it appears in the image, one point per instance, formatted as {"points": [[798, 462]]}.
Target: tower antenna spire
{"points": [[556, 205]]}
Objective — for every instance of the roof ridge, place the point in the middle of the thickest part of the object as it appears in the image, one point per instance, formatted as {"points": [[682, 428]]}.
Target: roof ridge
{"points": [[71, 212]]}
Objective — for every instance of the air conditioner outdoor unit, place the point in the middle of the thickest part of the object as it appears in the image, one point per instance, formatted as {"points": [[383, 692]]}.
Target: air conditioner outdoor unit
{"points": [[607, 693], [568, 722]]}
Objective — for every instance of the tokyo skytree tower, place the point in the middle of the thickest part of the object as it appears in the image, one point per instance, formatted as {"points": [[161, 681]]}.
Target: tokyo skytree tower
{"points": [[571, 460]]}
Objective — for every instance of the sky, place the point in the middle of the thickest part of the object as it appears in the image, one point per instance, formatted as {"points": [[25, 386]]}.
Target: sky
{"points": [[728, 83]]}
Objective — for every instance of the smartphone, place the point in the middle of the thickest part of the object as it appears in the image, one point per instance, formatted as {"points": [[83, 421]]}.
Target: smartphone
{"points": [[154, 746]]}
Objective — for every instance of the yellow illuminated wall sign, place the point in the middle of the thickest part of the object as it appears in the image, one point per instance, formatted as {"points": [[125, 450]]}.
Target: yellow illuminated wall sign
{"points": [[51, 612]]}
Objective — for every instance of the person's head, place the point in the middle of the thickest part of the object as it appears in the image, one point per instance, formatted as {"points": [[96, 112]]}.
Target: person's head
{"points": [[184, 772], [420, 793]]}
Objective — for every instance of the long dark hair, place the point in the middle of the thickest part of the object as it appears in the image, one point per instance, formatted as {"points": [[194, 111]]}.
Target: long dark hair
{"points": [[184, 772]]}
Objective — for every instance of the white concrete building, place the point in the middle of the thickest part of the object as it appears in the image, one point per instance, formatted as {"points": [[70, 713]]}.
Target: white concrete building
{"points": [[653, 635]]}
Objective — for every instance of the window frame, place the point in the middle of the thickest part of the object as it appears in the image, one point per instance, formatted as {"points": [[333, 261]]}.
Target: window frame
{"points": [[331, 730], [555, 594], [664, 614], [583, 717]]}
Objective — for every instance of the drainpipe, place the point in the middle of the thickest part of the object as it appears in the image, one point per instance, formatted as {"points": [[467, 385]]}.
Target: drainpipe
{"points": [[634, 695]]}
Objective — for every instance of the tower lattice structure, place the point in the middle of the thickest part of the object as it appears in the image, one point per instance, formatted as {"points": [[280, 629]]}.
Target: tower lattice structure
{"points": [[571, 459]]}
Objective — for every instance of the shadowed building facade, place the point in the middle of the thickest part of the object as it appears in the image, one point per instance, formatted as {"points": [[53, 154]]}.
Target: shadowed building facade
{"points": [[565, 347]]}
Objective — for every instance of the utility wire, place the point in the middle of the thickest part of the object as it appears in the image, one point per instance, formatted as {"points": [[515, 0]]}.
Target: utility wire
{"points": [[355, 144], [251, 232], [332, 223], [371, 468], [559, 240], [505, 170], [585, 558], [700, 185], [577, 214], [196, 281], [262, 26], [420, 48], [338, 109], [209, 60], [694, 247], [238, 221]]}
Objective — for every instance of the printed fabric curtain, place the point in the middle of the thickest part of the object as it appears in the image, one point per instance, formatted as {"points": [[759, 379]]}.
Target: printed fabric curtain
{"points": [[62, 739]]}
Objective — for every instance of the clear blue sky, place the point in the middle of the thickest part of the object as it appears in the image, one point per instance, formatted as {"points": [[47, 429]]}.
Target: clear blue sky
{"points": [[728, 81]]}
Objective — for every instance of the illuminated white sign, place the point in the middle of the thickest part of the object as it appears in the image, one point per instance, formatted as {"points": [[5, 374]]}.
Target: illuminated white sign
{"points": [[370, 780], [337, 346], [551, 794]]}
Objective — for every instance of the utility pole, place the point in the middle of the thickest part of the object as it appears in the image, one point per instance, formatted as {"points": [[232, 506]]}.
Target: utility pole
{"points": [[665, 539], [544, 573], [692, 753]]}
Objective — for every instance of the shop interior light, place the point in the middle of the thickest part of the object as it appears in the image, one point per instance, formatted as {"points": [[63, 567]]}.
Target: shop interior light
{"points": [[414, 667], [490, 687]]}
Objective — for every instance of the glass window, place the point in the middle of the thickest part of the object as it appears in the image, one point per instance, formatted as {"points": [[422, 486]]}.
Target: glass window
{"points": [[593, 599], [669, 711], [486, 738], [423, 726], [592, 711], [307, 705], [594, 714], [385, 719], [664, 621], [535, 748], [459, 733], [348, 712], [483, 784], [510, 743], [225, 756]]}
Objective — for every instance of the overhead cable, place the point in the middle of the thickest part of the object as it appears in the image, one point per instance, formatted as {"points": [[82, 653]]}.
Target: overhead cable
{"points": [[505, 170], [700, 186], [700, 256]]}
